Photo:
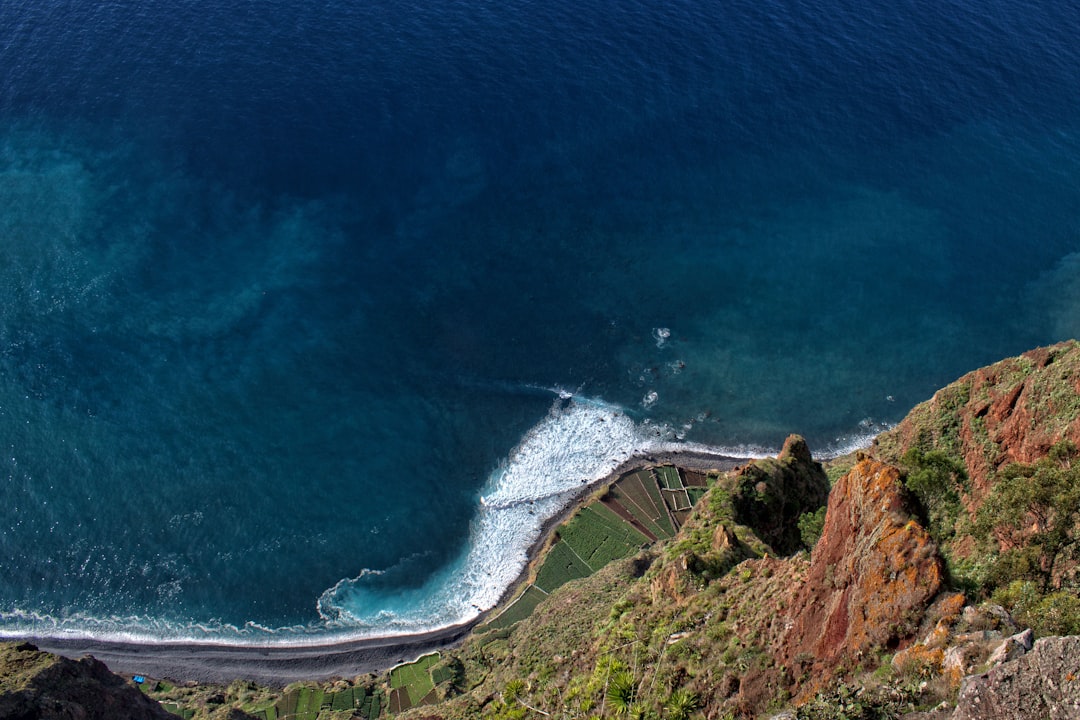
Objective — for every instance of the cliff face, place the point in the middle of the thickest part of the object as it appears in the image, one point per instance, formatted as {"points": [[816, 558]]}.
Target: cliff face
{"points": [[731, 613], [1013, 411], [873, 570], [37, 685], [955, 525], [1043, 683]]}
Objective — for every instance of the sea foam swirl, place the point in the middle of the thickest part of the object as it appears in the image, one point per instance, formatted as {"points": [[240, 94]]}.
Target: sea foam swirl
{"points": [[579, 442]]}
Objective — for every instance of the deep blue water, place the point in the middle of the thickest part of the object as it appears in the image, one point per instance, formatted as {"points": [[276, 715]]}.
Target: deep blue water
{"points": [[309, 310]]}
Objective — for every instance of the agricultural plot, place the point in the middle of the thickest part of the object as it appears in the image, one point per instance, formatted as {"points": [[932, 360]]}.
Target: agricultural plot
{"points": [[597, 540], [307, 704], [669, 477], [639, 508], [371, 707], [560, 567], [303, 703], [611, 504], [696, 493], [692, 478], [411, 683], [644, 515], [640, 495], [674, 493], [519, 610]]}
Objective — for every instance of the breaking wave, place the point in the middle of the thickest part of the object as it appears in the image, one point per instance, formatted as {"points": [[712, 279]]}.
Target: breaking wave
{"points": [[579, 442]]}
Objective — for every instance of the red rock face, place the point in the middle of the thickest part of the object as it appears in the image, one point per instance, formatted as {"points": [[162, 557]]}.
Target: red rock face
{"points": [[1012, 411], [871, 575]]}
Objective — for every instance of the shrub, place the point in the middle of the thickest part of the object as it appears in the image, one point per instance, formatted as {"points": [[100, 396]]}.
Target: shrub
{"points": [[935, 478], [810, 526]]}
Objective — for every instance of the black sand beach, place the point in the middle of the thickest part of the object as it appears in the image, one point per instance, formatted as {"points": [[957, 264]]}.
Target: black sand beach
{"points": [[282, 664]]}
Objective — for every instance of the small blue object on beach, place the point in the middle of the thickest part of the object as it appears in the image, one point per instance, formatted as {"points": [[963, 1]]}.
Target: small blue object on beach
{"points": [[139, 679]]}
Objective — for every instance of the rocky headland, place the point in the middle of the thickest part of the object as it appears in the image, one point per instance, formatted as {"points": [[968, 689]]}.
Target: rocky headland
{"points": [[933, 575]]}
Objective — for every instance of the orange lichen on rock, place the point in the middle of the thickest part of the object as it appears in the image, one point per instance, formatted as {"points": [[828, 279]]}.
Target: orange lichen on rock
{"points": [[872, 572]]}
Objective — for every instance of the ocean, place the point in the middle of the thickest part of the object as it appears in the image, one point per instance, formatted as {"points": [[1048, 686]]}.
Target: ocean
{"points": [[311, 312]]}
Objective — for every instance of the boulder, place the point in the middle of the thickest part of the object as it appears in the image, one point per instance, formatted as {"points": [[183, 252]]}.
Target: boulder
{"points": [[1012, 647], [1042, 684]]}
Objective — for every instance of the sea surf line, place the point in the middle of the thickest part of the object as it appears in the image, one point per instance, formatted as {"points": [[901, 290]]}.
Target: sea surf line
{"points": [[579, 442]]}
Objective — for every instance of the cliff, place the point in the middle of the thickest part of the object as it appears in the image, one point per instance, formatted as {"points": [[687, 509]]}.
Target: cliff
{"points": [[1013, 411], [36, 685], [908, 587]]}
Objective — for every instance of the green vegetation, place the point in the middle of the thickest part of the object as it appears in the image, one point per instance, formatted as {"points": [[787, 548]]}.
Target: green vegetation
{"points": [[297, 702], [560, 567], [936, 479], [681, 704], [175, 709], [521, 608], [1055, 613], [598, 540], [411, 684], [631, 515], [669, 477], [1032, 513], [622, 692], [811, 525]]}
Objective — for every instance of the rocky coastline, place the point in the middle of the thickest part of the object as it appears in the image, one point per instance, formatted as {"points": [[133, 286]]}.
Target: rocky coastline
{"points": [[933, 575]]}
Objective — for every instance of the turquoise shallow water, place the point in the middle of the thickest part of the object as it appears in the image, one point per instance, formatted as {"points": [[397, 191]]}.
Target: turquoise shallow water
{"points": [[308, 315]]}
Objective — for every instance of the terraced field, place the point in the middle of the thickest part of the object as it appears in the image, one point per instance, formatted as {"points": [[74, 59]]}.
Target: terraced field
{"points": [[307, 703], [638, 509], [303, 703], [411, 684], [519, 610]]}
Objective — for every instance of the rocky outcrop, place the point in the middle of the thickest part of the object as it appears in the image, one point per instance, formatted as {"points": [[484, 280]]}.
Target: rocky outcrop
{"points": [[36, 685], [769, 495], [1012, 411], [1043, 684], [871, 575]]}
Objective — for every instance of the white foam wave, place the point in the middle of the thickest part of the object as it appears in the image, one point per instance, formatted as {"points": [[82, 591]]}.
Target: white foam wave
{"points": [[859, 440], [140, 629], [579, 442]]}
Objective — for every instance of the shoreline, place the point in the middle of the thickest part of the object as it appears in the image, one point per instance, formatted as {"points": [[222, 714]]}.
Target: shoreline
{"points": [[277, 666]]}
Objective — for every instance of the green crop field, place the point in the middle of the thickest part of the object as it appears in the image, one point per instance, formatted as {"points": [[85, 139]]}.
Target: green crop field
{"points": [[414, 680], [521, 609], [346, 699], [669, 477], [560, 567], [308, 703], [695, 494], [372, 707], [598, 534], [598, 541]]}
